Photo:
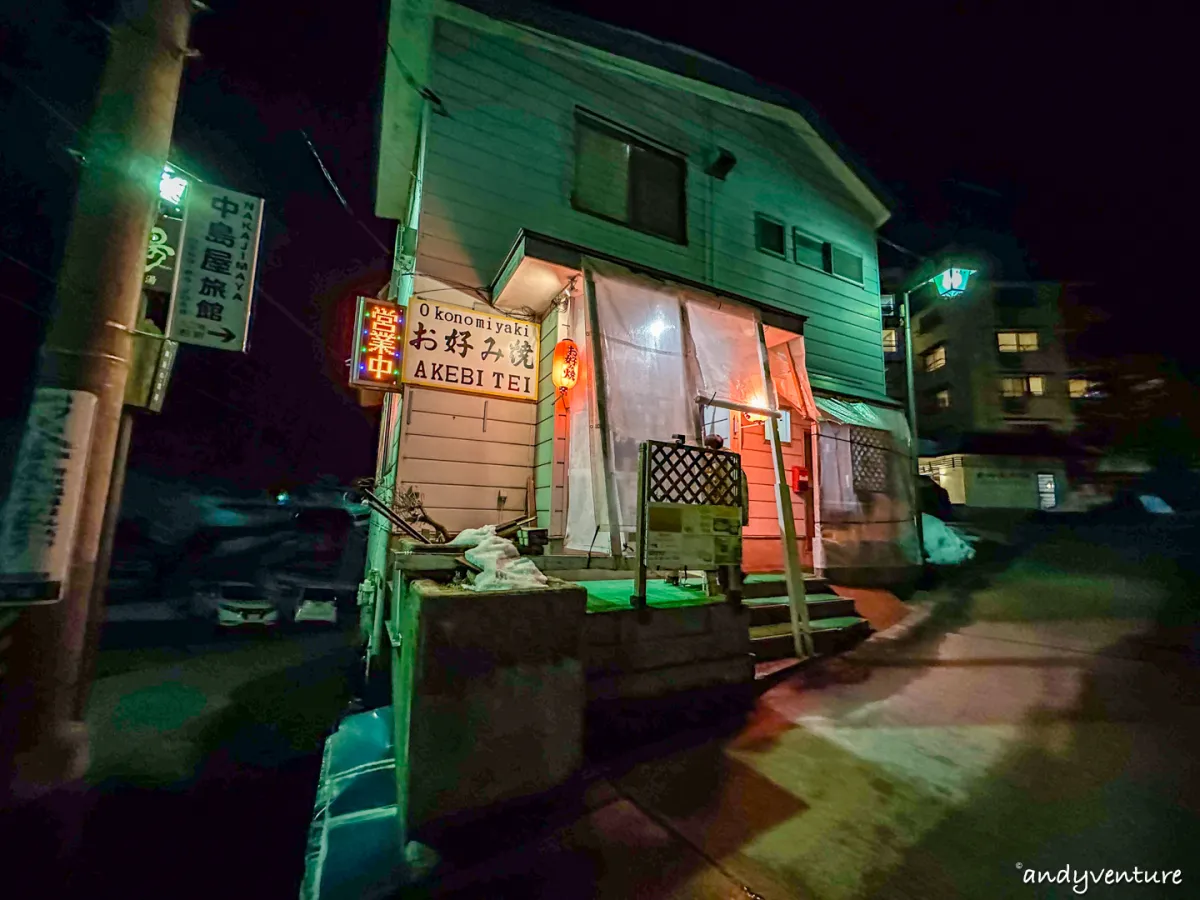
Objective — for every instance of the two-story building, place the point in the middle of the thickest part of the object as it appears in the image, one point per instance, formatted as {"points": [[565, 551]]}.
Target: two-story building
{"points": [[667, 214]]}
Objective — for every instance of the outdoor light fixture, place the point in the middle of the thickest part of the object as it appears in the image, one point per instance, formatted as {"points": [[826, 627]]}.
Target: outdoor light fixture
{"points": [[721, 165], [171, 186], [565, 370], [952, 282]]}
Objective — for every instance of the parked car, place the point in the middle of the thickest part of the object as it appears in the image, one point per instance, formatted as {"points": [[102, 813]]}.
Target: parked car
{"points": [[235, 603], [306, 598]]}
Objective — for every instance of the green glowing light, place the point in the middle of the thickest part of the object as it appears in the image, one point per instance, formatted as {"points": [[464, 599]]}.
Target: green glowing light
{"points": [[171, 187], [953, 282]]}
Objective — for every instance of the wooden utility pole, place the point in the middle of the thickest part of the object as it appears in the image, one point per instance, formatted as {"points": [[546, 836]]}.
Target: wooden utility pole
{"points": [[88, 348]]}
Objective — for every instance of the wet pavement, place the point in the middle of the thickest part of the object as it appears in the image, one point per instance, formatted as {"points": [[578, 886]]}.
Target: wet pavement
{"points": [[205, 755], [1042, 715]]}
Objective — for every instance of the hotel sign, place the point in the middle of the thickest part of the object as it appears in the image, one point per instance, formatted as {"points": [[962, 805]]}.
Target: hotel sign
{"points": [[462, 349], [378, 330]]}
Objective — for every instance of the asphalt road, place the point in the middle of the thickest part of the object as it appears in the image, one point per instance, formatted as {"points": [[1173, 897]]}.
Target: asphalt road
{"points": [[205, 754], [1044, 714]]}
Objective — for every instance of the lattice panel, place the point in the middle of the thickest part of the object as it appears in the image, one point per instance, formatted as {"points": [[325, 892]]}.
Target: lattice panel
{"points": [[694, 475], [870, 457]]}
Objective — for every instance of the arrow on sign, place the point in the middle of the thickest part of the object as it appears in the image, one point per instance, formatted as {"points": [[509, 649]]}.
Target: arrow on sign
{"points": [[224, 334]]}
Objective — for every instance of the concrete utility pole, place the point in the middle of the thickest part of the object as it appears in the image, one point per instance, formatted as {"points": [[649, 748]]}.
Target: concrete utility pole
{"points": [[88, 348]]}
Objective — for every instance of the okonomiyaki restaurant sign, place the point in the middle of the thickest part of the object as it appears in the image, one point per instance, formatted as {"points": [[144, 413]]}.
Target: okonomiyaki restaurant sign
{"points": [[462, 349]]}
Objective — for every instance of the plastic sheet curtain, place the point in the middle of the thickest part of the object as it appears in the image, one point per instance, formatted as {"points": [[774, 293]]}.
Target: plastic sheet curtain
{"points": [[725, 340], [583, 444], [864, 516], [641, 333], [789, 358]]}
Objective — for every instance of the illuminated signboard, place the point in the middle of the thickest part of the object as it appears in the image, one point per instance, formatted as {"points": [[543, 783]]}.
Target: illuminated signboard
{"points": [[464, 349], [379, 330]]}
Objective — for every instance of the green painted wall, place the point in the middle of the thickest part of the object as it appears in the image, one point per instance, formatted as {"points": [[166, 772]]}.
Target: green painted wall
{"points": [[544, 435], [503, 158]]}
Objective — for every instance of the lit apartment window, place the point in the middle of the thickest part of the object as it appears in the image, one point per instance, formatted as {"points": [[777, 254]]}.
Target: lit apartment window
{"points": [[942, 398], [1079, 388], [934, 359], [890, 341], [1017, 341], [1026, 385], [625, 179]]}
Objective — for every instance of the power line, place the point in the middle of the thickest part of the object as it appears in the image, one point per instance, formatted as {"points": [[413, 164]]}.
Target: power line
{"points": [[291, 317], [42, 101], [41, 314], [27, 266], [341, 199]]}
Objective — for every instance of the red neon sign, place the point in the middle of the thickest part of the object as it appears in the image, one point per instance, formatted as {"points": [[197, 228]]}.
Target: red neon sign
{"points": [[379, 332]]}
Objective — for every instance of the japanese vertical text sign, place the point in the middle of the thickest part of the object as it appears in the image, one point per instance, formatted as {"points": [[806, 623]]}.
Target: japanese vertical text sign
{"points": [[463, 349], [216, 268], [38, 528], [379, 336]]}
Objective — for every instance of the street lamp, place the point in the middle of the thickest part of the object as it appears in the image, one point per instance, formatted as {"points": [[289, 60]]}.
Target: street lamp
{"points": [[950, 282]]}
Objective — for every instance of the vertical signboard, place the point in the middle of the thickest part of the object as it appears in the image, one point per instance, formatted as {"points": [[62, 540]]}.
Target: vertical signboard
{"points": [[462, 349], [216, 265], [38, 527], [162, 254], [378, 333]]}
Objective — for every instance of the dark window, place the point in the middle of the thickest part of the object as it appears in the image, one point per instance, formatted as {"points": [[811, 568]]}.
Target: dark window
{"points": [[845, 264], [769, 236], [1016, 297], [887, 303], [928, 322], [628, 180], [808, 250]]}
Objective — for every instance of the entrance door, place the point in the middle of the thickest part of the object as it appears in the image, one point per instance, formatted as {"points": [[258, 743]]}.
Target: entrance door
{"points": [[1047, 499], [763, 548]]}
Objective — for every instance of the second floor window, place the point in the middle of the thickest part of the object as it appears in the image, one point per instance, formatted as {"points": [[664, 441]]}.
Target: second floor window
{"points": [[891, 341], [942, 399], [934, 359], [1017, 341], [625, 179], [1023, 386]]}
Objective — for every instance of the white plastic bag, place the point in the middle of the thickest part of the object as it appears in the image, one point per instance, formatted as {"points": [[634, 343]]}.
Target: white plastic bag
{"points": [[470, 537]]}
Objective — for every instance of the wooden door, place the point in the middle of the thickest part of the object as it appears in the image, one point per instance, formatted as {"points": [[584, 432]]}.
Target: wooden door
{"points": [[755, 450]]}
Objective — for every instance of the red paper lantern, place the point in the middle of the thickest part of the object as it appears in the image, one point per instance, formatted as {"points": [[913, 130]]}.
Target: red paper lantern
{"points": [[565, 371]]}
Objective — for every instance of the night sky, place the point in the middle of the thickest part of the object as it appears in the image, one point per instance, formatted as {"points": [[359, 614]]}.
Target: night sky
{"points": [[1064, 128]]}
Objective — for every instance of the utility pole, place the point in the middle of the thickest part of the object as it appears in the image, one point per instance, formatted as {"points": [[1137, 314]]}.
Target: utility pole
{"points": [[88, 348]]}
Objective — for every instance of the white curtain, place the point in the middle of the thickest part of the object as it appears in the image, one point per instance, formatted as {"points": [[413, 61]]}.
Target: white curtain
{"points": [[859, 527], [725, 338], [583, 475], [643, 347]]}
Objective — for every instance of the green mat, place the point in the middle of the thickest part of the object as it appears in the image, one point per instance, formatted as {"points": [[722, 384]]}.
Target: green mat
{"points": [[608, 596]]}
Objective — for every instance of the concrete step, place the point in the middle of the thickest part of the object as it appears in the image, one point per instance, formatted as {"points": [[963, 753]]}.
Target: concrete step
{"points": [[760, 586], [820, 606], [830, 637]]}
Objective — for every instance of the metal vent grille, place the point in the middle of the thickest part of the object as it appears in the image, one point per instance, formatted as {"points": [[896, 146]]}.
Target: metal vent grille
{"points": [[682, 474], [870, 456]]}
